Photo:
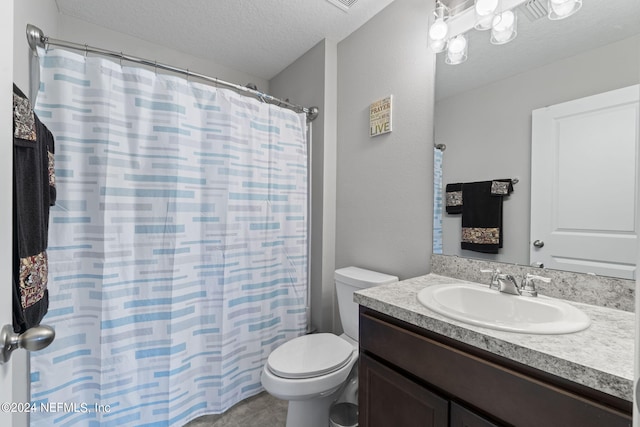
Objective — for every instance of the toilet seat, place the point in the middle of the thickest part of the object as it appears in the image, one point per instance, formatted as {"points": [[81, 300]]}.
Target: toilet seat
{"points": [[310, 356]]}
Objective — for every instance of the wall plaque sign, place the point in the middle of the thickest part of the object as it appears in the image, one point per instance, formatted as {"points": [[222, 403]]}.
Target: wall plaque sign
{"points": [[380, 116]]}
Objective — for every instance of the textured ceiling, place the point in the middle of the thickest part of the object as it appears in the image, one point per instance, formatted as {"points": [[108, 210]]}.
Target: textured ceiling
{"points": [[262, 37], [597, 23], [258, 37]]}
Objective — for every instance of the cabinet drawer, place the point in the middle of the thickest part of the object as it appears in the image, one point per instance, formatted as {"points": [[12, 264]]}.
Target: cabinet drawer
{"points": [[509, 395]]}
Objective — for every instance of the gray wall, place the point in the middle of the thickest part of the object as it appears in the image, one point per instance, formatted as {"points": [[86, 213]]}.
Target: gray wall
{"points": [[385, 183], [488, 132], [311, 81]]}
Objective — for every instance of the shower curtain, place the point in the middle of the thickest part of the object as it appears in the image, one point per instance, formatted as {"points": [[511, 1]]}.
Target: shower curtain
{"points": [[438, 203], [178, 246]]}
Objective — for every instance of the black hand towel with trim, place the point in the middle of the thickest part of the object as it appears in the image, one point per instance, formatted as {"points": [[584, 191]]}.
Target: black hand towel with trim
{"points": [[453, 198], [482, 215], [33, 193]]}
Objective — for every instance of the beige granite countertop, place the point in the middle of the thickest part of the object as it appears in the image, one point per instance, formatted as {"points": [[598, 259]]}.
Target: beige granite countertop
{"points": [[600, 357]]}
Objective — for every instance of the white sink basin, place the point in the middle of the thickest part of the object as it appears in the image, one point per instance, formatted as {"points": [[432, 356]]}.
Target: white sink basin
{"points": [[489, 308]]}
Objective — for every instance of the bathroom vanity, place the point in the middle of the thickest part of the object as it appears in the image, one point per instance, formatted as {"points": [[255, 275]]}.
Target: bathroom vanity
{"points": [[419, 368]]}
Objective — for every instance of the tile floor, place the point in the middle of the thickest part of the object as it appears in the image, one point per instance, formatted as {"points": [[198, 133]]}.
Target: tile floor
{"points": [[262, 410]]}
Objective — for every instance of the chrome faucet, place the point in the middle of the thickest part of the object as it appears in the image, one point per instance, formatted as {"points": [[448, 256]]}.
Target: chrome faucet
{"points": [[508, 284]]}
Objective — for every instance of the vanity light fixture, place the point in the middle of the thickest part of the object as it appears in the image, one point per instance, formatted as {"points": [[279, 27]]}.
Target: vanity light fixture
{"points": [[561, 9], [454, 18]]}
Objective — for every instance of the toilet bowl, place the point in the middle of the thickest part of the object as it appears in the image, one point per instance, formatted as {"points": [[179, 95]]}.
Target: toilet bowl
{"points": [[313, 371], [311, 366]]}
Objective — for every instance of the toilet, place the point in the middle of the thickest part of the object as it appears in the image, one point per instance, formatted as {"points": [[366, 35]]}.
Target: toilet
{"points": [[313, 371]]}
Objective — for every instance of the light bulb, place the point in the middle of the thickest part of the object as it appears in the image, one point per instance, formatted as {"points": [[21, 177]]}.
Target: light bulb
{"points": [[457, 50], [438, 46], [438, 30], [458, 45], [486, 7], [485, 10], [504, 27], [560, 9]]}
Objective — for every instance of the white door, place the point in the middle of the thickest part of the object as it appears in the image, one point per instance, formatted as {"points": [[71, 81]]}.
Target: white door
{"points": [[6, 168], [584, 186]]}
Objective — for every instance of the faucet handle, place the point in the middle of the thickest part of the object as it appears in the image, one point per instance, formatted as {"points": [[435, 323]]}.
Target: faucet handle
{"points": [[530, 276], [528, 284], [494, 277]]}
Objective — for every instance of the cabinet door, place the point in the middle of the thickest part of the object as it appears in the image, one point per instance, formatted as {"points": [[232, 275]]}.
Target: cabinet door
{"points": [[463, 417], [386, 399]]}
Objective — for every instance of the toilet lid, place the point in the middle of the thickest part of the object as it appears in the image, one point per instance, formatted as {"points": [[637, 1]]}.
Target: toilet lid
{"points": [[310, 356]]}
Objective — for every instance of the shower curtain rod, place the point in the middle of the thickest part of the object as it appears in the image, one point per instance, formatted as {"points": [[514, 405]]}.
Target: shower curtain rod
{"points": [[36, 38]]}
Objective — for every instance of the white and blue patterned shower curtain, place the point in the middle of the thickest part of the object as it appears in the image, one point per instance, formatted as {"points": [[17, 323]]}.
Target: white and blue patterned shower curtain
{"points": [[438, 202], [178, 246]]}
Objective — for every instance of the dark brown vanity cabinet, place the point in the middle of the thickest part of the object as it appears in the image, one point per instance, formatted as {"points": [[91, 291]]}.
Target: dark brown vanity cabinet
{"points": [[413, 377]]}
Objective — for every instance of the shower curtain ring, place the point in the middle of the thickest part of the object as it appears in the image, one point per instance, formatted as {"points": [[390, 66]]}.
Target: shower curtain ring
{"points": [[121, 58], [86, 50], [155, 67]]}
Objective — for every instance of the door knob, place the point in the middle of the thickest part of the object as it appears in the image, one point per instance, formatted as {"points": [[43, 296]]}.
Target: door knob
{"points": [[538, 243], [32, 339]]}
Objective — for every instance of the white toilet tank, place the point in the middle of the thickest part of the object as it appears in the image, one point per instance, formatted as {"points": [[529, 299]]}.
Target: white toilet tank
{"points": [[349, 280]]}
